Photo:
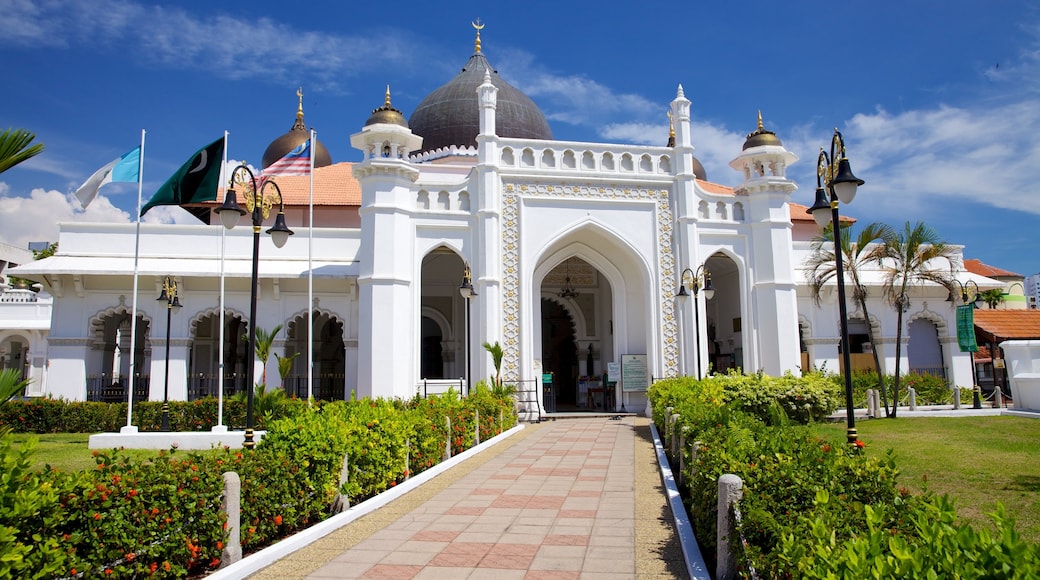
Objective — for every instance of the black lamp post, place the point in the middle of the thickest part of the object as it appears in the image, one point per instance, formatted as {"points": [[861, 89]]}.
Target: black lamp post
{"points": [[699, 279], [173, 303], [467, 291], [836, 184], [976, 400], [259, 206]]}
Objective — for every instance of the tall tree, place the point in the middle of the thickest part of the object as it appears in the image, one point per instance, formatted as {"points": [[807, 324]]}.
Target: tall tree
{"points": [[992, 297], [15, 147], [916, 256], [857, 256]]}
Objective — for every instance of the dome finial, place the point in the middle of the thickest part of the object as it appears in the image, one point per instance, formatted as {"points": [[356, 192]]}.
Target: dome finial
{"points": [[299, 110], [478, 26], [760, 127], [387, 103]]}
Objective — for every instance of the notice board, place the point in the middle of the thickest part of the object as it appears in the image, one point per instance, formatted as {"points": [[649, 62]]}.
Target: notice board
{"points": [[634, 376]]}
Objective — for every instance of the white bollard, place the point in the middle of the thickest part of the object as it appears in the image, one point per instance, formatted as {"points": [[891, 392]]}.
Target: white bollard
{"points": [[956, 397], [913, 398], [731, 489], [870, 404], [998, 397], [232, 506]]}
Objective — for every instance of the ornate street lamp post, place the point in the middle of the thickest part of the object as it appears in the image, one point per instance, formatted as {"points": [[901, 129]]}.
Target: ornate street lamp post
{"points": [[259, 206], [467, 291], [173, 303], [836, 184], [699, 279]]}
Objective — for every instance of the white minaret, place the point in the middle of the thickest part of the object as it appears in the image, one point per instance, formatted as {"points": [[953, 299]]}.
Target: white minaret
{"points": [[386, 285], [764, 161]]}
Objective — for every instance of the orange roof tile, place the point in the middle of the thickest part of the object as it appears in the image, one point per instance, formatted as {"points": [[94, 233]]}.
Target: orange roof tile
{"points": [[711, 187], [999, 325], [334, 185], [978, 267]]}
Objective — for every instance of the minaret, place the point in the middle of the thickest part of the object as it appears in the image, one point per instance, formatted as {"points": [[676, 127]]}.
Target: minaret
{"points": [[763, 161], [386, 258]]}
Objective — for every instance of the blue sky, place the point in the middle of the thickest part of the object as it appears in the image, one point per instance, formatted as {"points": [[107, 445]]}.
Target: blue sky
{"points": [[938, 100]]}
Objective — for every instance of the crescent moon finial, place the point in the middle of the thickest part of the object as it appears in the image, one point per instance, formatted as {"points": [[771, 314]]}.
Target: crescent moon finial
{"points": [[478, 26], [299, 94]]}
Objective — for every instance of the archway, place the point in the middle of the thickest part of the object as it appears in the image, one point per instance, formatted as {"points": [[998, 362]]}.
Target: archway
{"points": [[442, 319], [329, 372], [204, 365], [108, 371], [14, 354], [923, 351], [559, 355]]}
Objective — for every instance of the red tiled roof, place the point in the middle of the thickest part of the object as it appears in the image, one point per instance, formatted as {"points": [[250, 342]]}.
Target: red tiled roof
{"points": [[977, 267], [716, 188], [1000, 325], [334, 185]]}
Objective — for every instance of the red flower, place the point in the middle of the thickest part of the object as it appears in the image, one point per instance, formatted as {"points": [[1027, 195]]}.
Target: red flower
{"points": [[166, 566], [860, 444], [97, 516], [278, 520]]}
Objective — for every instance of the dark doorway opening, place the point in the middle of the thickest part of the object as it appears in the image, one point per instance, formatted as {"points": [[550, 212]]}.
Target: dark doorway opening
{"points": [[560, 352]]}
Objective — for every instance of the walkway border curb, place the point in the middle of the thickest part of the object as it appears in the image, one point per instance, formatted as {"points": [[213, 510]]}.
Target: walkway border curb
{"points": [[269, 555], [695, 565]]}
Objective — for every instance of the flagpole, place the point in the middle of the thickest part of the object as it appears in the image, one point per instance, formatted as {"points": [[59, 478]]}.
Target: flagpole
{"points": [[220, 428], [310, 279], [129, 428]]}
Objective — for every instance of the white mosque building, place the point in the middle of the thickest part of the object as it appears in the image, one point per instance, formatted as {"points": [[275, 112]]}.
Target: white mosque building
{"points": [[576, 253]]}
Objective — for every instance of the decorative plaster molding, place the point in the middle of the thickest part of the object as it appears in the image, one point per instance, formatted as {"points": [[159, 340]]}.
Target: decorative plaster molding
{"points": [[511, 307]]}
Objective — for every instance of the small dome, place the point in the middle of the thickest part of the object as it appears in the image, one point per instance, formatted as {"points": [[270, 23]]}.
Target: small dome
{"points": [[761, 137], [450, 115], [296, 136], [387, 114]]}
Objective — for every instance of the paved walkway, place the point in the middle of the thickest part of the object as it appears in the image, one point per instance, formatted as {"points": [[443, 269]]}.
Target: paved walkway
{"points": [[576, 498]]}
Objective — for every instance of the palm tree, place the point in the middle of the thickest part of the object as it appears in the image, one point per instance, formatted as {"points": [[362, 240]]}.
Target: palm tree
{"points": [[912, 258], [264, 341], [992, 298], [11, 383], [495, 350], [856, 257], [15, 148]]}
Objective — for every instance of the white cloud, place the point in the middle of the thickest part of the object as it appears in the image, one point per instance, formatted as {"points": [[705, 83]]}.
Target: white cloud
{"points": [[36, 218], [224, 45]]}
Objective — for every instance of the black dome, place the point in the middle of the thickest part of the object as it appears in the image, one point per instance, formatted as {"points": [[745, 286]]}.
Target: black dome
{"points": [[296, 136], [450, 115]]}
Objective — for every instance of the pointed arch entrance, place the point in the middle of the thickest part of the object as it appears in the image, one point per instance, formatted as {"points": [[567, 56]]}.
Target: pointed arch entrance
{"points": [[108, 371], [205, 363], [442, 318], [329, 370]]}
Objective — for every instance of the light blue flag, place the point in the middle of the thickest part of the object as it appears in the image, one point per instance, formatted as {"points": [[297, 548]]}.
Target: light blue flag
{"points": [[124, 169]]}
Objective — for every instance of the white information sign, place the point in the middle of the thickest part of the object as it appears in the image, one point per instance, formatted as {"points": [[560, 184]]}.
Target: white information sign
{"points": [[633, 373]]}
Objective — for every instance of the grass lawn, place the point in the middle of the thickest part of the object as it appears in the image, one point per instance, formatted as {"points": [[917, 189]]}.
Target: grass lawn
{"points": [[68, 451], [977, 461]]}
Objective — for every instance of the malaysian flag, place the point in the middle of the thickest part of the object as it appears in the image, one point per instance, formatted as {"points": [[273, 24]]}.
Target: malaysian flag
{"points": [[295, 162]]}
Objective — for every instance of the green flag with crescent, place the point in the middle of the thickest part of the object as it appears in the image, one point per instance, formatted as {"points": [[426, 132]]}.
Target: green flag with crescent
{"points": [[195, 182], [966, 328]]}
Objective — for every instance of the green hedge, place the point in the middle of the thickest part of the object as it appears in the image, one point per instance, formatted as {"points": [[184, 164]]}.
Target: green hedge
{"points": [[162, 517], [812, 507], [46, 415]]}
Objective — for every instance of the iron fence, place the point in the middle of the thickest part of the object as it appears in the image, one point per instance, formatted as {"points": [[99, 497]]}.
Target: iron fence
{"points": [[105, 389]]}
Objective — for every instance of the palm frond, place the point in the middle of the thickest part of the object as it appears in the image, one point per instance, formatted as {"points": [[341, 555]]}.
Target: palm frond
{"points": [[15, 148]]}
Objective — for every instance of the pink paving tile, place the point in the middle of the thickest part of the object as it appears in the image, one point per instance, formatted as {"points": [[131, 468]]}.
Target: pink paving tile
{"points": [[552, 575], [506, 562], [487, 492], [469, 548], [465, 511], [545, 502], [511, 501], [569, 472], [503, 549], [392, 572], [585, 493], [435, 536], [577, 513], [566, 540], [443, 560]]}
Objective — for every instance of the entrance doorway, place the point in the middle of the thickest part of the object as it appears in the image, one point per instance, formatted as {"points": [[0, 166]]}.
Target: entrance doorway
{"points": [[560, 352]]}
